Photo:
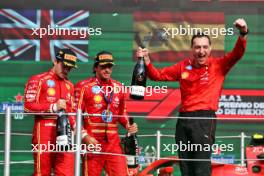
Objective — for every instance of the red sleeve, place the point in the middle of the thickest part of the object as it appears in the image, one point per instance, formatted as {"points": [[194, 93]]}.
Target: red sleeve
{"points": [[123, 119], [230, 59], [79, 91], [171, 73], [71, 109], [32, 95]]}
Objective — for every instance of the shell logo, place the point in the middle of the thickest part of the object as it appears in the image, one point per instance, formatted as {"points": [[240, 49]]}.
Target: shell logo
{"points": [[51, 91], [184, 75], [97, 98]]}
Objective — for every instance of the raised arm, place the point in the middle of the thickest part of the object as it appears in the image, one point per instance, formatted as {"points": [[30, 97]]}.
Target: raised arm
{"points": [[231, 58]]}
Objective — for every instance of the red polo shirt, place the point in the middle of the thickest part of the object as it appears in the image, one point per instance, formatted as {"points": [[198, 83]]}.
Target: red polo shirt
{"points": [[200, 87]]}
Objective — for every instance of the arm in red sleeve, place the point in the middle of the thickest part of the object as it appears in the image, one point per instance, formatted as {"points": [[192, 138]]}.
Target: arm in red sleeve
{"points": [[72, 119], [79, 91], [32, 94], [171, 73], [230, 59], [123, 119]]}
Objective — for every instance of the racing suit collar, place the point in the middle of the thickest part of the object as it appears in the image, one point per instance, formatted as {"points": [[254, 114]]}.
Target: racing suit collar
{"points": [[192, 62], [103, 82], [54, 75]]}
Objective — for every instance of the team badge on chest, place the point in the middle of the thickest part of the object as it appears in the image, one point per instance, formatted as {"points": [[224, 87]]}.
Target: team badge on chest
{"points": [[188, 67], [50, 83], [96, 89], [51, 91], [97, 98], [184, 75], [67, 86]]}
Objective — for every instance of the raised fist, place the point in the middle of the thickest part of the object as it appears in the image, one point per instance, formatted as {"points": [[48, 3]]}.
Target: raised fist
{"points": [[241, 25]]}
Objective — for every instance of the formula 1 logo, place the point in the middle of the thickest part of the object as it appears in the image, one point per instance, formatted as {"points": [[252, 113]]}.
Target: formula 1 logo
{"points": [[156, 106]]}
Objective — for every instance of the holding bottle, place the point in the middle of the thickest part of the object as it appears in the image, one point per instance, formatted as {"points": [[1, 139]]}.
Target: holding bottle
{"points": [[131, 147], [139, 80], [64, 133]]}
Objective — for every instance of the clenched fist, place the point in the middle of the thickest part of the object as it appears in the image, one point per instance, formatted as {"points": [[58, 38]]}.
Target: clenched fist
{"points": [[132, 128], [241, 25]]}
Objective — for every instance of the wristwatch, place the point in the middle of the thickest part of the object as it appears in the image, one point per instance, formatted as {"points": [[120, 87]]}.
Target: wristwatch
{"points": [[244, 33]]}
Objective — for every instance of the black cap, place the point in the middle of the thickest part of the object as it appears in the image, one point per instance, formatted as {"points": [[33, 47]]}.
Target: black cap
{"points": [[104, 58], [67, 56]]}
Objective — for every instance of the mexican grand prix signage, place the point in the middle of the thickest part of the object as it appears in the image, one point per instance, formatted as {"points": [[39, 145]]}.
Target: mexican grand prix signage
{"points": [[232, 104], [241, 104]]}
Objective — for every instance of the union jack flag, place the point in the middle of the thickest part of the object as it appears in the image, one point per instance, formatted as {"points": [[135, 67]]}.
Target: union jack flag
{"points": [[19, 42]]}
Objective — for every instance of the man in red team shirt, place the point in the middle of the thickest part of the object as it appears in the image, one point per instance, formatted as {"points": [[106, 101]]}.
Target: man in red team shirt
{"points": [[201, 78], [49, 92], [102, 95]]}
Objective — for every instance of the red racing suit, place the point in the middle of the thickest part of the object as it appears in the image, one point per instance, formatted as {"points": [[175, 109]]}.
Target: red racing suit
{"points": [[200, 87], [91, 97], [41, 93]]}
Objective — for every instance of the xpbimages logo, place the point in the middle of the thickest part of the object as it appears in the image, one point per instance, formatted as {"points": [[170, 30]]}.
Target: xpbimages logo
{"points": [[50, 147], [188, 30], [173, 148], [149, 90], [62, 31]]}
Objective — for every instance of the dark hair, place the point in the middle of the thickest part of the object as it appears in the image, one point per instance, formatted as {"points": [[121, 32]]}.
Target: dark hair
{"points": [[94, 66], [200, 35], [96, 58]]}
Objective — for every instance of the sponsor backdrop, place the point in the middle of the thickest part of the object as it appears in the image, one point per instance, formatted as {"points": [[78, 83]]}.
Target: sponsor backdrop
{"points": [[30, 37]]}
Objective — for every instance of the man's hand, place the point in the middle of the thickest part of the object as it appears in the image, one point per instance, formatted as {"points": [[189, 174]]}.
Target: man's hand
{"points": [[90, 140], [143, 52], [241, 25], [132, 128], [61, 104]]}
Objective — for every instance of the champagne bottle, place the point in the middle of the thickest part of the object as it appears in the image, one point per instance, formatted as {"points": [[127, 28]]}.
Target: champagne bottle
{"points": [[131, 148], [64, 133], [139, 79]]}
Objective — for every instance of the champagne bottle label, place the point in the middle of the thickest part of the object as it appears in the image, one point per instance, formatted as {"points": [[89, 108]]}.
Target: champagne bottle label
{"points": [[131, 160], [137, 90], [62, 140], [64, 133]]}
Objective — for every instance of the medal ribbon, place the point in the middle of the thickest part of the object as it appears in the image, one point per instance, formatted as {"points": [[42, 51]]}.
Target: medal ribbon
{"points": [[108, 101]]}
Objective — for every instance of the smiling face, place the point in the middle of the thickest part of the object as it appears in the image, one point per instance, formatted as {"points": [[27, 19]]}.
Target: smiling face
{"points": [[201, 49], [103, 72]]}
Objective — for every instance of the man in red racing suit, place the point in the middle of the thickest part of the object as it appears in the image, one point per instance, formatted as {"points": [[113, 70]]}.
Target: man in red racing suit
{"points": [[103, 96], [49, 92]]}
